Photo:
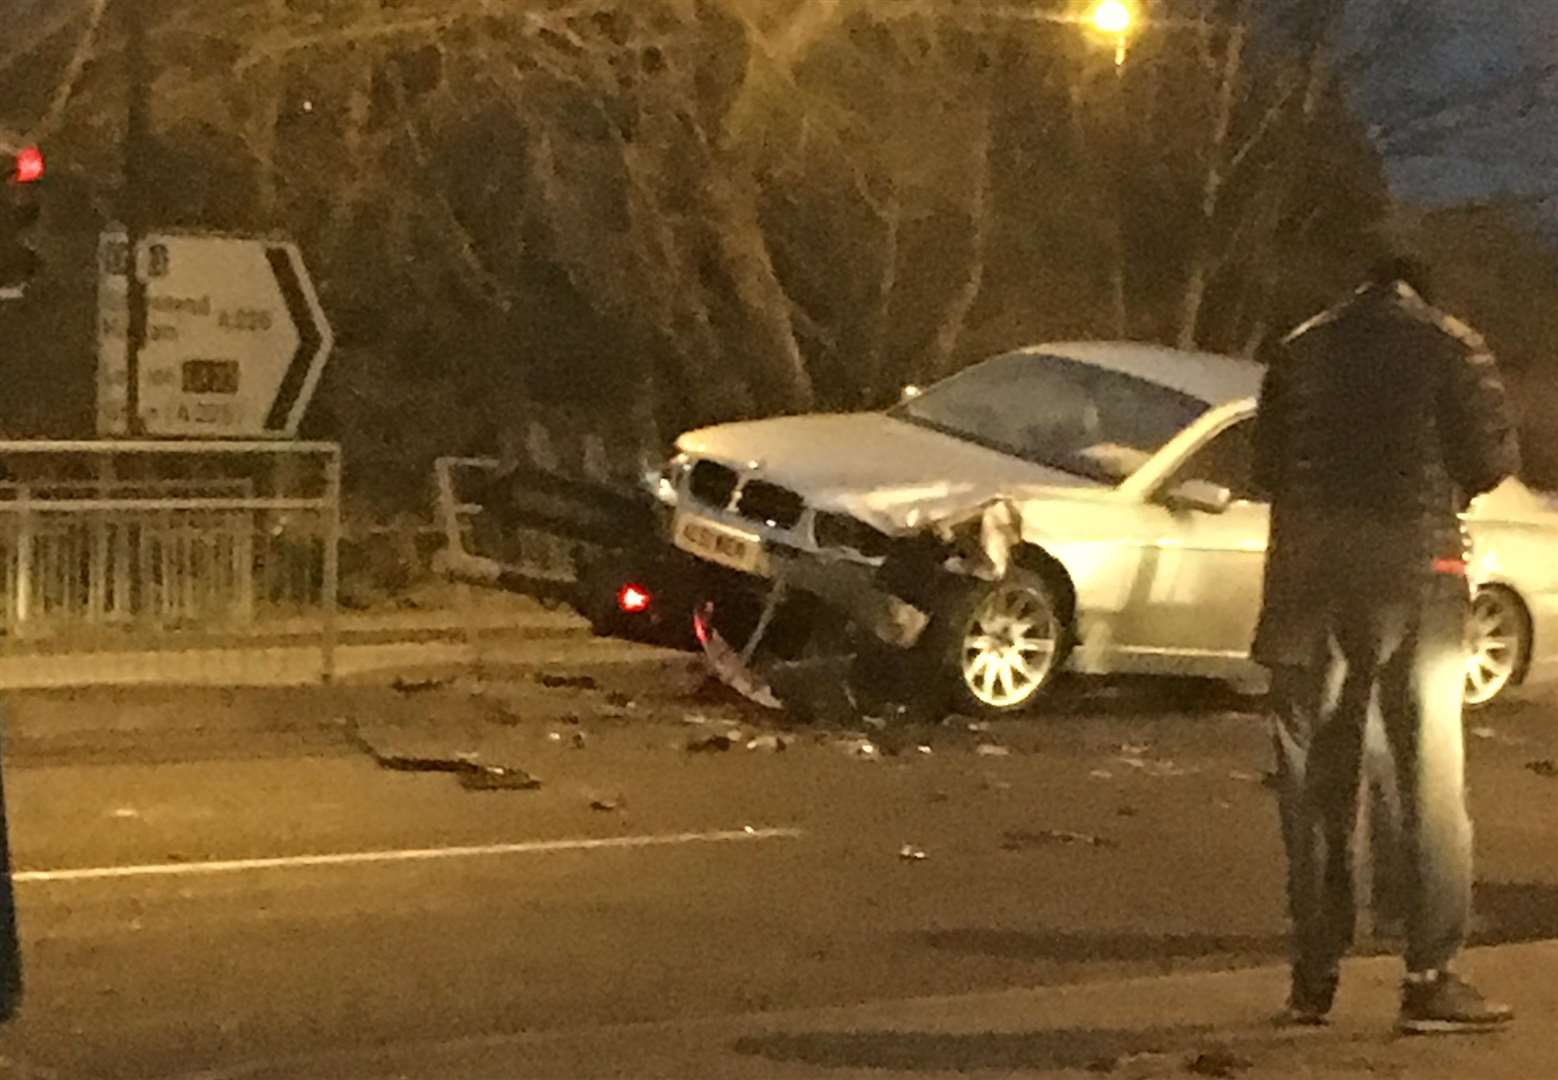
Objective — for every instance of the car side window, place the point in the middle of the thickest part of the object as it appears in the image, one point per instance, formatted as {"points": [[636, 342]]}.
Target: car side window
{"points": [[1228, 461]]}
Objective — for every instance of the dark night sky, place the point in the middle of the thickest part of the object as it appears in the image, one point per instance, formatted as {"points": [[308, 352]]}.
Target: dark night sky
{"points": [[1465, 47]]}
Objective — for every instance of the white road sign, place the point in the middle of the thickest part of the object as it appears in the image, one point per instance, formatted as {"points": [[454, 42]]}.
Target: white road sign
{"points": [[235, 337]]}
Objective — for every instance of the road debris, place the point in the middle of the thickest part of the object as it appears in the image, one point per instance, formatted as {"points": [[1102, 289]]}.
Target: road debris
{"points": [[1544, 767], [554, 736], [418, 686], [1101, 774], [863, 748], [992, 750], [715, 742], [473, 773], [607, 805], [477, 777], [1219, 1062], [1245, 777], [566, 682], [771, 742], [1028, 839], [1484, 732], [578, 740], [618, 700], [924, 749], [910, 853]]}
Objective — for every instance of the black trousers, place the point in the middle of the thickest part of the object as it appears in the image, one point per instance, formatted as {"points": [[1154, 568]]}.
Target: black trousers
{"points": [[1402, 654]]}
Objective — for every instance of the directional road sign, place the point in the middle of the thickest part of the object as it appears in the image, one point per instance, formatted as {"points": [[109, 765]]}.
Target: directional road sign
{"points": [[235, 336]]}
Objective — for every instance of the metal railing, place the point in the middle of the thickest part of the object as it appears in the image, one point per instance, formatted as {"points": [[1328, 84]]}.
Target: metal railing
{"points": [[158, 546]]}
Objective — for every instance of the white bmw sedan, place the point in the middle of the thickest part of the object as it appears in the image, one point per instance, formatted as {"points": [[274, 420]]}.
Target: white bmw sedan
{"points": [[1142, 537]]}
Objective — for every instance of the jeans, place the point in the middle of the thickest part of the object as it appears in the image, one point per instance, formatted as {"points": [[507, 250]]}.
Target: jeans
{"points": [[1404, 656]]}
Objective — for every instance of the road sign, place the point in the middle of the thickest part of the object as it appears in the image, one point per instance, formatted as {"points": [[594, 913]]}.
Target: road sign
{"points": [[235, 336]]}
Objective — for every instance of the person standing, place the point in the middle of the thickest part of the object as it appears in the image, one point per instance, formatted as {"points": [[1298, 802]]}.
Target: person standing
{"points": [[1379, 419]]}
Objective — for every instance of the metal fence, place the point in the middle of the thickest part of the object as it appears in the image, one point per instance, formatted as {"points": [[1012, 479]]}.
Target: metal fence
{"points": [[478, 551], [154, 549]]}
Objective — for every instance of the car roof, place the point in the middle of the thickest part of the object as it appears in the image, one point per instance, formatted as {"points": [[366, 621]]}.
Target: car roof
{"points": [[1211, 377]]}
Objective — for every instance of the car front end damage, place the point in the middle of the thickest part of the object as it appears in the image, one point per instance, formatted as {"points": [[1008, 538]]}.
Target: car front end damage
{"points": [[870, 591]]}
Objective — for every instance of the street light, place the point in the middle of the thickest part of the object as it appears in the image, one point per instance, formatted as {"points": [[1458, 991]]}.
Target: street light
{"points": [[1115, 18]]}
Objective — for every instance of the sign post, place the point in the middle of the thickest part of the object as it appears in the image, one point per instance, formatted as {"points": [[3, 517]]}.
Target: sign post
{"points": [[235, 338]]}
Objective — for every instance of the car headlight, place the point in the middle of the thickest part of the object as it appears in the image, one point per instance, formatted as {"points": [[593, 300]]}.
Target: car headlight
{"points": [[664, 482]]}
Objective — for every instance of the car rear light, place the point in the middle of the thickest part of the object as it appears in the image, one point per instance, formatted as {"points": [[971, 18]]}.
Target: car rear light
{"points": [[633, 600]]}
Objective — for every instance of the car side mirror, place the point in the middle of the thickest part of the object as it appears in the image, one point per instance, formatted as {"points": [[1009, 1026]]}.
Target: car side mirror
{"points": [[1202, 495]]}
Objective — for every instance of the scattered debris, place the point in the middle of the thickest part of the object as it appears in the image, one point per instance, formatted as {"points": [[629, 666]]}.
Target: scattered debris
{"points": [[1484, 732], [875, 723], [1135, 749], [1126, 811], [992, 750], [578, 740], [771, 741], [1245, 777], [1544, 767], [467, 765], [716, 742], [910, 853], [978, 725], [861, 747], [125, 812], [608, 805], [554, 736], [1221, 1063], [418, 686], [1101, 774], [497, 778], [1155, 766], [992, 784], [617, 699], [1028, 839], [1133, 1066], [566, 682], [924, 748]]}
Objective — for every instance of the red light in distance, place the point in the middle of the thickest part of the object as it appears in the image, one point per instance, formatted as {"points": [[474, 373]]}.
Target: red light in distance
{"points": [[633, 600], [29, 165]]}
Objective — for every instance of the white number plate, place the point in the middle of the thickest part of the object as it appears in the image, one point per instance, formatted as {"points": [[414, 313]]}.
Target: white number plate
{"points": [[721, 544]]}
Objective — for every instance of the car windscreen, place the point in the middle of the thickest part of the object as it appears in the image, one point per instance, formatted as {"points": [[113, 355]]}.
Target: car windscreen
{"points": [[1065, 414]]}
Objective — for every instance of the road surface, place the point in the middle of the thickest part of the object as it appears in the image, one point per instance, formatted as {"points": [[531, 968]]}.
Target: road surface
{"points": [[222, 883]]}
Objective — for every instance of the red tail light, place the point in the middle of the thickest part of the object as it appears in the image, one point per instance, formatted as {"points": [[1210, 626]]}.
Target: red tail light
{"points": [[633, 600], [29, 165]]}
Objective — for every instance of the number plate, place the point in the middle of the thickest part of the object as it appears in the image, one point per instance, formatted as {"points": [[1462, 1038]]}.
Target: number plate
{"points": [[720, 544]]}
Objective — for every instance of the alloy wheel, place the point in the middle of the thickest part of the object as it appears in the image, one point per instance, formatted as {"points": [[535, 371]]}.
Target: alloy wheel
{"points": [[1010, 646]]}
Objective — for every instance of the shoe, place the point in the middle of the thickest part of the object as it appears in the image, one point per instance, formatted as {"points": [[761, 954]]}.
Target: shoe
{"points": [[1443, 1003], [1309, 1001]]}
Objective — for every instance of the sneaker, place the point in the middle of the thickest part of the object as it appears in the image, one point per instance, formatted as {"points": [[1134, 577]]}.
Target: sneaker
{"points": [[1309, 1001], [1444, 1002]]}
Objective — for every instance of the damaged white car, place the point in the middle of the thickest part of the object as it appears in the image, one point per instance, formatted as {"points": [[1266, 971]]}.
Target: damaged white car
{"points": [[1102, 496]]}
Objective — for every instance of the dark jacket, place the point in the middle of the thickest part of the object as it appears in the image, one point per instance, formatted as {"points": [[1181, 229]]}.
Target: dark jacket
{"points": [[1379, 420]]}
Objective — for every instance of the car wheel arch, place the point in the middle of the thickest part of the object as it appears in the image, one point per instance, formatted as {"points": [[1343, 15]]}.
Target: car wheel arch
{"points": [[1034, 558]]}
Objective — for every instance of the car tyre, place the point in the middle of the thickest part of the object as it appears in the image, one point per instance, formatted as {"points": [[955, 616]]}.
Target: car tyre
{"points": [[999, 644], [1498, 644]]}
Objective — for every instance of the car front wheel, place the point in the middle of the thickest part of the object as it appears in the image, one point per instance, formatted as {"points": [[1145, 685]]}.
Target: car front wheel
{"points": [[1003, 642], [1498, 641]]}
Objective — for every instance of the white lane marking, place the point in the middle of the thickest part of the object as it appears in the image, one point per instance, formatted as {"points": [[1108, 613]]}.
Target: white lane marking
{"points": [[351, 858]]}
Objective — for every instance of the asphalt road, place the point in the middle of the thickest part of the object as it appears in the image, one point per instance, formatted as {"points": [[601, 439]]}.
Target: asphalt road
{"points": [[213, 880]]}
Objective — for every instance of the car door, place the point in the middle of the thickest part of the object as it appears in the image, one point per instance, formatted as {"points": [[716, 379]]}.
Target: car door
{"points": [[1197, 592]]}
